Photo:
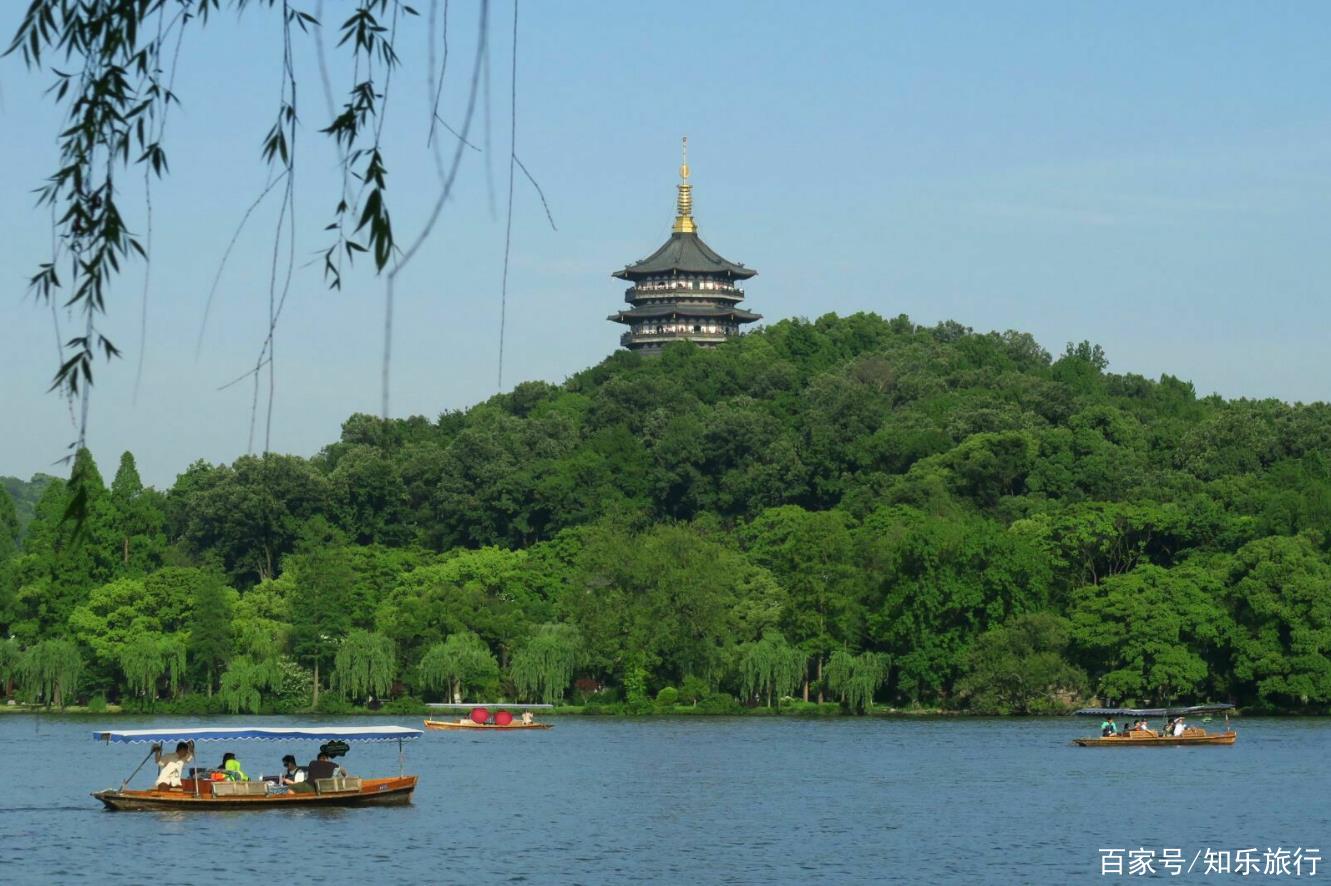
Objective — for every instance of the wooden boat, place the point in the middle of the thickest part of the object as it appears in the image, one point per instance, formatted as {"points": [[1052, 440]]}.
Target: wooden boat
{"points": [[200, 792], [487, 716], [1191, 735], [468, 724], [255, 795]]}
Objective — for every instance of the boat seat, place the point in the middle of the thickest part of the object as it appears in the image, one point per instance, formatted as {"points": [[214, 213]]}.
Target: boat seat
{"points": [[347, 785], [239, 789]]}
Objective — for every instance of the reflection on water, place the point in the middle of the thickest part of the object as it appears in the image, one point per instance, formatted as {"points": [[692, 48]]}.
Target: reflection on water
{"points": [[696, 799]]}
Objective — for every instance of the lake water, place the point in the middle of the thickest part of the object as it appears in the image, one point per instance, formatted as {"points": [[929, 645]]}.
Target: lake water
{"points": [[685, 800]]}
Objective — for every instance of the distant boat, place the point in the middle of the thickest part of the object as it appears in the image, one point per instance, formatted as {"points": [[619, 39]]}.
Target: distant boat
{"points": [[200, 792], [488, 717], [1166, 736]]}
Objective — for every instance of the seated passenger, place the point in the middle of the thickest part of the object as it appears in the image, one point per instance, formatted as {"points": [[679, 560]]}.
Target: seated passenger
{"points": [[323, 767], [171, 766], [1179, 728], [527, 718], [231, 768], [291, 773]]}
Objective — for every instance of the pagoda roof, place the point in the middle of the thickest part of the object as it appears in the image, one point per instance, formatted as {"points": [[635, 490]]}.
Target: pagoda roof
{"points": [[646, 312], [687, 253]]}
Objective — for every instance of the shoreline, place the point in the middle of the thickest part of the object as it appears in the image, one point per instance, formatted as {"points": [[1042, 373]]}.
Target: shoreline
{"points": [[827, 711]]}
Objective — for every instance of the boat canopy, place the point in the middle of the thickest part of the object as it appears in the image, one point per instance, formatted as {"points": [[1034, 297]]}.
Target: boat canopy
{"points": [[266, 733], [498, 705], [1154, 712]]}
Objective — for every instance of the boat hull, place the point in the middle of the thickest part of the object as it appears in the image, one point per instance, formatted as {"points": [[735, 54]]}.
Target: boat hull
{"points": [[373, 792], [461, 726], [1140, 740]]}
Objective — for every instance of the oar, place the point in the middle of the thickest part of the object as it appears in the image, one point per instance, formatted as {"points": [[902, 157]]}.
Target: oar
{"points": [[126, 782]]}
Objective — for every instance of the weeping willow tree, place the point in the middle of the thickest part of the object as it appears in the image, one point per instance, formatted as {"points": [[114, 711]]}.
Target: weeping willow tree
{"points": [[461, 662], [544, 667], [855, 678], [112, 67], [244, 681], [143, 664], [364, 665], [50, 671], [770, 668], [10, 660], [174, 656]]}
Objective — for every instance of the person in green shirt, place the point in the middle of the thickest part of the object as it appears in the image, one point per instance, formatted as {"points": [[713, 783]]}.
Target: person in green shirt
{"points": [[231, 766]]}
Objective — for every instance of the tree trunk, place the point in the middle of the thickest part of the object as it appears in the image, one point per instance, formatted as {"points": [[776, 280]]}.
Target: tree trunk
{"points": [[820, 679], [125, 545], [457, 692], [210, 681], [314, 703]]}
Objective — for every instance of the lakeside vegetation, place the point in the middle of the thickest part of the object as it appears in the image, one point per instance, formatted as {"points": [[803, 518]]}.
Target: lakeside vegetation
{"points": [[856, 510]]}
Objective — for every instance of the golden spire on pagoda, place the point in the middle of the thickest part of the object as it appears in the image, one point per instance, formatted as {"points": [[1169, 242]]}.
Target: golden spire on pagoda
{"points": [[684, 204]]}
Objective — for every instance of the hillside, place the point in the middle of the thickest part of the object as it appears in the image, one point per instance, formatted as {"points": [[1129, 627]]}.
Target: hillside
{"points": [[25, 495], [858, 507]]}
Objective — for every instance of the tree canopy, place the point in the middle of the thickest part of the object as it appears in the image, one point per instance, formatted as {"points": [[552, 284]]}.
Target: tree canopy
{"points": [[852, 508]]}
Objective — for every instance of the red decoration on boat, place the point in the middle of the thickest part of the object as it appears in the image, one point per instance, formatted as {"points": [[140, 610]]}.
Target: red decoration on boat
{"points": [[479, 715], [503, 718]]}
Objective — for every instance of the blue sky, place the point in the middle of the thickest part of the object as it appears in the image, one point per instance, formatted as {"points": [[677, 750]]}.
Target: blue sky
{"points": [[1153, 177]]}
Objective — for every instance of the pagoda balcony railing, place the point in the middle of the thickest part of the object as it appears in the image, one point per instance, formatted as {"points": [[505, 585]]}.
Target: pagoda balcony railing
{"points": [[629, 338], [692, 287]]}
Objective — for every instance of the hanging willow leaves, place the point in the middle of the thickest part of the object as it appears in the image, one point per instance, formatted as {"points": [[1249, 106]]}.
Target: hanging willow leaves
{"points": [[461, 662], [11, 659], [143, 664], [855, 678], [244, 681], [364, 665], [173, 656], [544, 667], [113, 90], [770, 667], [50, 672]]}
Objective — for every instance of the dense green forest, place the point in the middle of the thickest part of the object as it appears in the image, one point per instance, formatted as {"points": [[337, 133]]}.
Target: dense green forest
{"points": [[854, 509]]}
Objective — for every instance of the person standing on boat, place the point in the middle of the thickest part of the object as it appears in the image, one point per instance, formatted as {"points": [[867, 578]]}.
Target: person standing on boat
{"points": [[170, 767], [527, 718]]}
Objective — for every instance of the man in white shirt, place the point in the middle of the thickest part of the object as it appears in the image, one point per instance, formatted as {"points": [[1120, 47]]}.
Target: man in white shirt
{"points": [[292, 774], [170, 767], [1179, 727]]}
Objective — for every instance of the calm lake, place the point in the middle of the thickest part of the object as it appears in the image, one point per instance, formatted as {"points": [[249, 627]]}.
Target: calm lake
{"points": [[701, 800]]}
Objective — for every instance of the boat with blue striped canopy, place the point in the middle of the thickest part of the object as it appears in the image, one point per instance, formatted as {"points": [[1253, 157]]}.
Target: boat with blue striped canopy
{"points": [[219, 789]]}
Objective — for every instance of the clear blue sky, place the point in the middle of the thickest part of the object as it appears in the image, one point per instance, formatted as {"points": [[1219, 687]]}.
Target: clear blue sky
{"points": [[1153, 177]]}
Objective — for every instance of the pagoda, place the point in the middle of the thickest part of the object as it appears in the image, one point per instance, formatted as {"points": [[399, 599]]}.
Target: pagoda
{"points": [[684, 290]]}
